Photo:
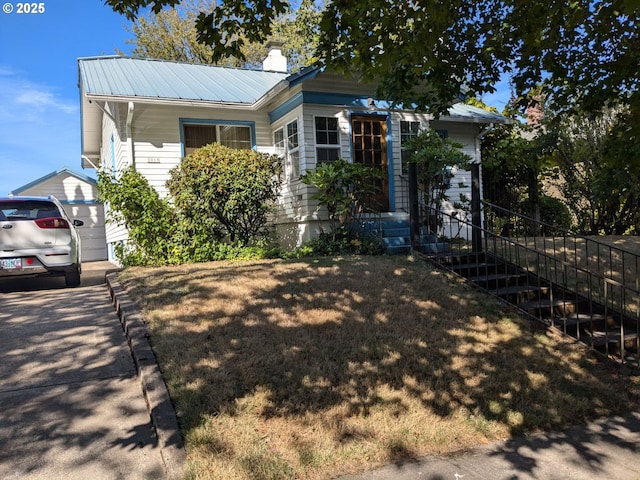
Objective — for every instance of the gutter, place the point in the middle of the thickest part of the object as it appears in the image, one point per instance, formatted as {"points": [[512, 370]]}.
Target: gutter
{"points": [[280, 86], [173, 102], [129, 134]]}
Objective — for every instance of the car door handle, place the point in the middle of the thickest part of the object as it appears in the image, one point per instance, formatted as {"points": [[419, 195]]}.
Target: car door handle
{"points": [[7, 226]]}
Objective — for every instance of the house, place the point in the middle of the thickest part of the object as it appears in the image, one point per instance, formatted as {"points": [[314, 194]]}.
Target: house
{"points": [[78, 195], [151, 113]]}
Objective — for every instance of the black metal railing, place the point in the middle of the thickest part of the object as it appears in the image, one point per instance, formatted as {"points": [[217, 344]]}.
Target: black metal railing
{"points": [[591, 286]]}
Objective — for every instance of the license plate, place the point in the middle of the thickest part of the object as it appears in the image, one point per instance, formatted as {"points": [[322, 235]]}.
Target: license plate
{"points": [[9, 263]]}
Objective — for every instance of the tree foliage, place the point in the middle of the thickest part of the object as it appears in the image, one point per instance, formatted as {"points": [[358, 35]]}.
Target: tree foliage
{"points": [[435, 157], [226, 194], [583, 52], [171, 34], [603, 196]]}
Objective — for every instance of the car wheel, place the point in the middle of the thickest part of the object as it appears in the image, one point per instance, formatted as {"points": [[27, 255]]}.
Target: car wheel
{"points": [[72, 278]]}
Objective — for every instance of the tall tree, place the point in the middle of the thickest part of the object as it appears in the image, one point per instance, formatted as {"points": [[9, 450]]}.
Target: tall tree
{"points": [[603, 196], [585, 52], [171, 34]]}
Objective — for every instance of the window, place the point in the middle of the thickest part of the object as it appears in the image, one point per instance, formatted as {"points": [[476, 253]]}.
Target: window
{"points": [[407, 130], [233, 136], [443, 133], [327, 139], [289, 148], [293, 148], [278, 142]]}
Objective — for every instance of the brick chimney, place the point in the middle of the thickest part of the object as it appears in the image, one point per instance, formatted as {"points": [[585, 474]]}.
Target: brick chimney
{"points": [[275, 61]]}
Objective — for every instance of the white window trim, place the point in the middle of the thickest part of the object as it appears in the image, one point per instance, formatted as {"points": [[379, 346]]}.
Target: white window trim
{"points": [[327, 146]]}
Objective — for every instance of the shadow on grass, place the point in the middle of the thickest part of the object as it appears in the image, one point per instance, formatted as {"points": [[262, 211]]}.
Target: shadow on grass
{"points": [[328, 344]]}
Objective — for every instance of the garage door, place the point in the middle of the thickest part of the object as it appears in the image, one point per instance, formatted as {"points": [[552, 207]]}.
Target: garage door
{"points": [[92, 234]]}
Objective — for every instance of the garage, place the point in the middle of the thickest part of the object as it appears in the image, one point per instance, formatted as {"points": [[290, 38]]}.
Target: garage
{"points": [[78, 194]]}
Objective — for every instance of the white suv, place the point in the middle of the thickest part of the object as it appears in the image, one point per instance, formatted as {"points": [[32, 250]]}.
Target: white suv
{"points": [[37, 238]]}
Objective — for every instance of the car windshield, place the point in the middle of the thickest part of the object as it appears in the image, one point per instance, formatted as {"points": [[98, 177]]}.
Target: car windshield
{"points": [[27, 210]]}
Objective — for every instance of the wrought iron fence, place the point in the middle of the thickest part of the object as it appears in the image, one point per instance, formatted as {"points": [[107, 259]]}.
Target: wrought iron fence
{"points": [[592, 286]]}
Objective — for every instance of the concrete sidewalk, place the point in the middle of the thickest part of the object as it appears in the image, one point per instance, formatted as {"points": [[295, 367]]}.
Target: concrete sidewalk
{"points": [[605, 449], [72, 405]]}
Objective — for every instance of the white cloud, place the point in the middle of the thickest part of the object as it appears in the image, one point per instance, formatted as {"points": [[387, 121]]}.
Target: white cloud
{"points": [[39, 130], [42, 99], [21, 97]]}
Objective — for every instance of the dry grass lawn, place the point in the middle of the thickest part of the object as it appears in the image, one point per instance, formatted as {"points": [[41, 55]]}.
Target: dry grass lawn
{"points": [[317, 368]]}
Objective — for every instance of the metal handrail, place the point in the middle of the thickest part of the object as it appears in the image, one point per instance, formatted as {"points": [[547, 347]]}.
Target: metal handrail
{"points": [[601, 279]]}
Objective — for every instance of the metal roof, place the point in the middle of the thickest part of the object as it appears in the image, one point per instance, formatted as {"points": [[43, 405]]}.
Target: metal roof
{"points": [[475, 114], [158, 79]]}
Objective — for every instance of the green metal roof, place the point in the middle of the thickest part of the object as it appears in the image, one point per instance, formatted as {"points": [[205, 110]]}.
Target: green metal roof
{"points": [[143, 78]]}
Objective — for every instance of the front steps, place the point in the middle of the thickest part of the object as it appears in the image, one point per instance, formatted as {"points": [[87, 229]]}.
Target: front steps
{"points": [[605, 331], [396, 235]]}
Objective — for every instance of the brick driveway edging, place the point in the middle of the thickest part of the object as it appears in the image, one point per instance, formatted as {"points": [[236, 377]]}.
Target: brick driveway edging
{"points": [[161, 411]]}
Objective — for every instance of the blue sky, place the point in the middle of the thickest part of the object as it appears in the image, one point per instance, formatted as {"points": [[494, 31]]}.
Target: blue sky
{"points": [[39, 98]]}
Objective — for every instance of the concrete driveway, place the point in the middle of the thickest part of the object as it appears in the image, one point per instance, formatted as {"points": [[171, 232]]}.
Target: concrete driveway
{"points": [[71, 404]]}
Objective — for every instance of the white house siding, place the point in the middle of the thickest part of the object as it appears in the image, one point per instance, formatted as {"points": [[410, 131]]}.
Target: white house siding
{"points": [[92, 233], [465, 134], [400, 182], [301, 219], [78, 198], [294, 206], [113, 153], [157, 136]]}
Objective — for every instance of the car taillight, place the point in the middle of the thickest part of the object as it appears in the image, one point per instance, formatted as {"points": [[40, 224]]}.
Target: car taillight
{"points": [[52, 222]]}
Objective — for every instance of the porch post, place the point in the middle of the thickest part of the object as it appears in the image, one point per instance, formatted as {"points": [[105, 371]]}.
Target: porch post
{"points": [[476, 218], [414, 220]]}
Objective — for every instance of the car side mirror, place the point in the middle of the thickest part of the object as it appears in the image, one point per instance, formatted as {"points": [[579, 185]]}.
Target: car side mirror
{"points": [[78, 223]]}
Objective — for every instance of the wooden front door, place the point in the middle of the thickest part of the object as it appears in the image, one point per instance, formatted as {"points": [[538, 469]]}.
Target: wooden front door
{"points": [[369, 140]]}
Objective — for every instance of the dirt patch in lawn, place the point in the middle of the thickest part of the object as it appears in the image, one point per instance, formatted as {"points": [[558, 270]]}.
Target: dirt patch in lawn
{"points": [[313, 369]]}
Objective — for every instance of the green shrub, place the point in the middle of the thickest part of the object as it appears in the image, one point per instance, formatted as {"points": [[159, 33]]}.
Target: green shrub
{"points": [[225, 194], [341, 242], [150, 220], [344, 189]]}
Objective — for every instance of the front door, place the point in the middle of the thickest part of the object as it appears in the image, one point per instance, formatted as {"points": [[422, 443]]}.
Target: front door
{"points": [[369, 140]]}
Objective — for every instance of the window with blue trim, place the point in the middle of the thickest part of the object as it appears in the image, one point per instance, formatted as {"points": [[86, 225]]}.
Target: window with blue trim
{"points": [[233, 136]]}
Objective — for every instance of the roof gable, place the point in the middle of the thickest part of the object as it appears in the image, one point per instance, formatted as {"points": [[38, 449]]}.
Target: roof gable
{"points": [[49, 176]]}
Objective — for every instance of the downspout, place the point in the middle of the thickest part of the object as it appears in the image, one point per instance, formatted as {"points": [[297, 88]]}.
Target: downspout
{"points": [[129, 134]]}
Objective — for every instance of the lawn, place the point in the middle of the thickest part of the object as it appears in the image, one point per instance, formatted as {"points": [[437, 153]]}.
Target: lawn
{"points": [[318, 368]]}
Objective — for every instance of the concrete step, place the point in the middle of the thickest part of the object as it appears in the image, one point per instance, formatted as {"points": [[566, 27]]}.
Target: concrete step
{"points": [[497, 278], [611, 337], [578, 318], [396, 232], [546, 304], [403, 245]]}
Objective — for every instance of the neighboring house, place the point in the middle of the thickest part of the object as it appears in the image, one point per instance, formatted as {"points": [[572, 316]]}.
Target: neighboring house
{"points": [[151, 113], [78, 195]]}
